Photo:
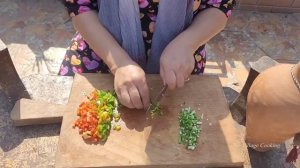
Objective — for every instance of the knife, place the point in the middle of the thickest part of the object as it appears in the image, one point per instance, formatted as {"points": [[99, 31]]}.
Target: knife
{"points": [[157, 98]]}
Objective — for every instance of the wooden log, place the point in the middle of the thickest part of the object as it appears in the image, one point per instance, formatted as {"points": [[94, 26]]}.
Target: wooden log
{"points": [[32, 112], [10, 81]]}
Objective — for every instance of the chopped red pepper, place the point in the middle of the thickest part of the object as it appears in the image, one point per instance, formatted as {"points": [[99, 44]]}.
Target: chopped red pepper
{"points": [[94, 115]]}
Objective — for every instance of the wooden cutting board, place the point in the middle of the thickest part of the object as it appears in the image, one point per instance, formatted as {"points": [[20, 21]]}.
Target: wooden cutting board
{"points": [[141, 143]]}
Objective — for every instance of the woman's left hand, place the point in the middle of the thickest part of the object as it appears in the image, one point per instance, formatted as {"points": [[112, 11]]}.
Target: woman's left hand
{"points": [[176, 64]]}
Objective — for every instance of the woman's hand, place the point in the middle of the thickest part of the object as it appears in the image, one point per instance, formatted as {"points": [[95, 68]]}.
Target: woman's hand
{"points": [[176, 64], [177, 61], [130, 82], [131, 86]]}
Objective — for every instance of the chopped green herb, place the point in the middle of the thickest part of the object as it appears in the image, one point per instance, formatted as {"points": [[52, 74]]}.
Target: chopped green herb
{"points": [[189, 128], [155, 110]]}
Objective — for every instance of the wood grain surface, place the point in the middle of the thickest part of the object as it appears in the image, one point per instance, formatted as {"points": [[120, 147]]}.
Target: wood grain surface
{"points": [[143, 143], [32, 112]]}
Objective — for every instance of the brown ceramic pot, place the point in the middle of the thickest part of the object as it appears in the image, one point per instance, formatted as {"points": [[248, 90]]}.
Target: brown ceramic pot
{"points": [[273, 107]]}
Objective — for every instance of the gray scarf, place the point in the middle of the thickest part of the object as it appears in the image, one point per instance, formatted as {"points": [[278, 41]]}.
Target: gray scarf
{"points": [[122, 19]]}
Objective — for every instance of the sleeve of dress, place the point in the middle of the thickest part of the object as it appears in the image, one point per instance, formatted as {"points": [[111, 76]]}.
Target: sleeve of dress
{"points": [[76, 7], [225, 6]]}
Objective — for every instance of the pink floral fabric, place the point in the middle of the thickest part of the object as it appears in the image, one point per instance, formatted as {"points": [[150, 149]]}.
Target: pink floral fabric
{"points": [[80, 58]]}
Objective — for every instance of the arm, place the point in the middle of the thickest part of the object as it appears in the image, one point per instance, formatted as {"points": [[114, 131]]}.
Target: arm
{"points": [[211, 20], [206, 25], [212, 17], [129, 79], [101, 41]]}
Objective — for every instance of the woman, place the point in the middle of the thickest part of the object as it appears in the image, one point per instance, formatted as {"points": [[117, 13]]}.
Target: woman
{"points": [[132, 37]]}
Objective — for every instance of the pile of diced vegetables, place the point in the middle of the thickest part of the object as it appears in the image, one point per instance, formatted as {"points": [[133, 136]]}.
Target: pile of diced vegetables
{"points": [[97, 115]]}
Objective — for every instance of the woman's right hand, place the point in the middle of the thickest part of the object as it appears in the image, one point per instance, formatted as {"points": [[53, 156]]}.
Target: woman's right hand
{"points": [[131, 86]]}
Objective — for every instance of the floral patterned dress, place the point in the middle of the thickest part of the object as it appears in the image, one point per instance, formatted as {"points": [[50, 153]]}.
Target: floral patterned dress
{"points": [[80, 58]]}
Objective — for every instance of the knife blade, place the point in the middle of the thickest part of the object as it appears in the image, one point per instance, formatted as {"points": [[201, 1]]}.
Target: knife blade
{"points": [[157, 98]]}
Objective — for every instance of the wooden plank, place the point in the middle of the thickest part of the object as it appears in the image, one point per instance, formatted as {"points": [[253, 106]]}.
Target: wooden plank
{"points": [[154, 144], [23, 114], [10, 81], [31, 112]]}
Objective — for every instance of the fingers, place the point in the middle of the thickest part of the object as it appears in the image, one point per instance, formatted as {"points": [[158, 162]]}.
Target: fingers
{"points": [[162, 74], [186, 76], [173, 79], [170, 79], [131, 88], [124, 98], [144, 93], [135, 98], [179, 79]]}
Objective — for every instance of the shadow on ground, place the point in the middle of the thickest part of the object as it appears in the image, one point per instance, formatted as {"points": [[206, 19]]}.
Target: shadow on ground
{"points": [[12, 136]]}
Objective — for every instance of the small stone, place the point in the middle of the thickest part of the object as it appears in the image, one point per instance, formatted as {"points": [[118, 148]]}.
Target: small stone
{"points": [[210, 124]]}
